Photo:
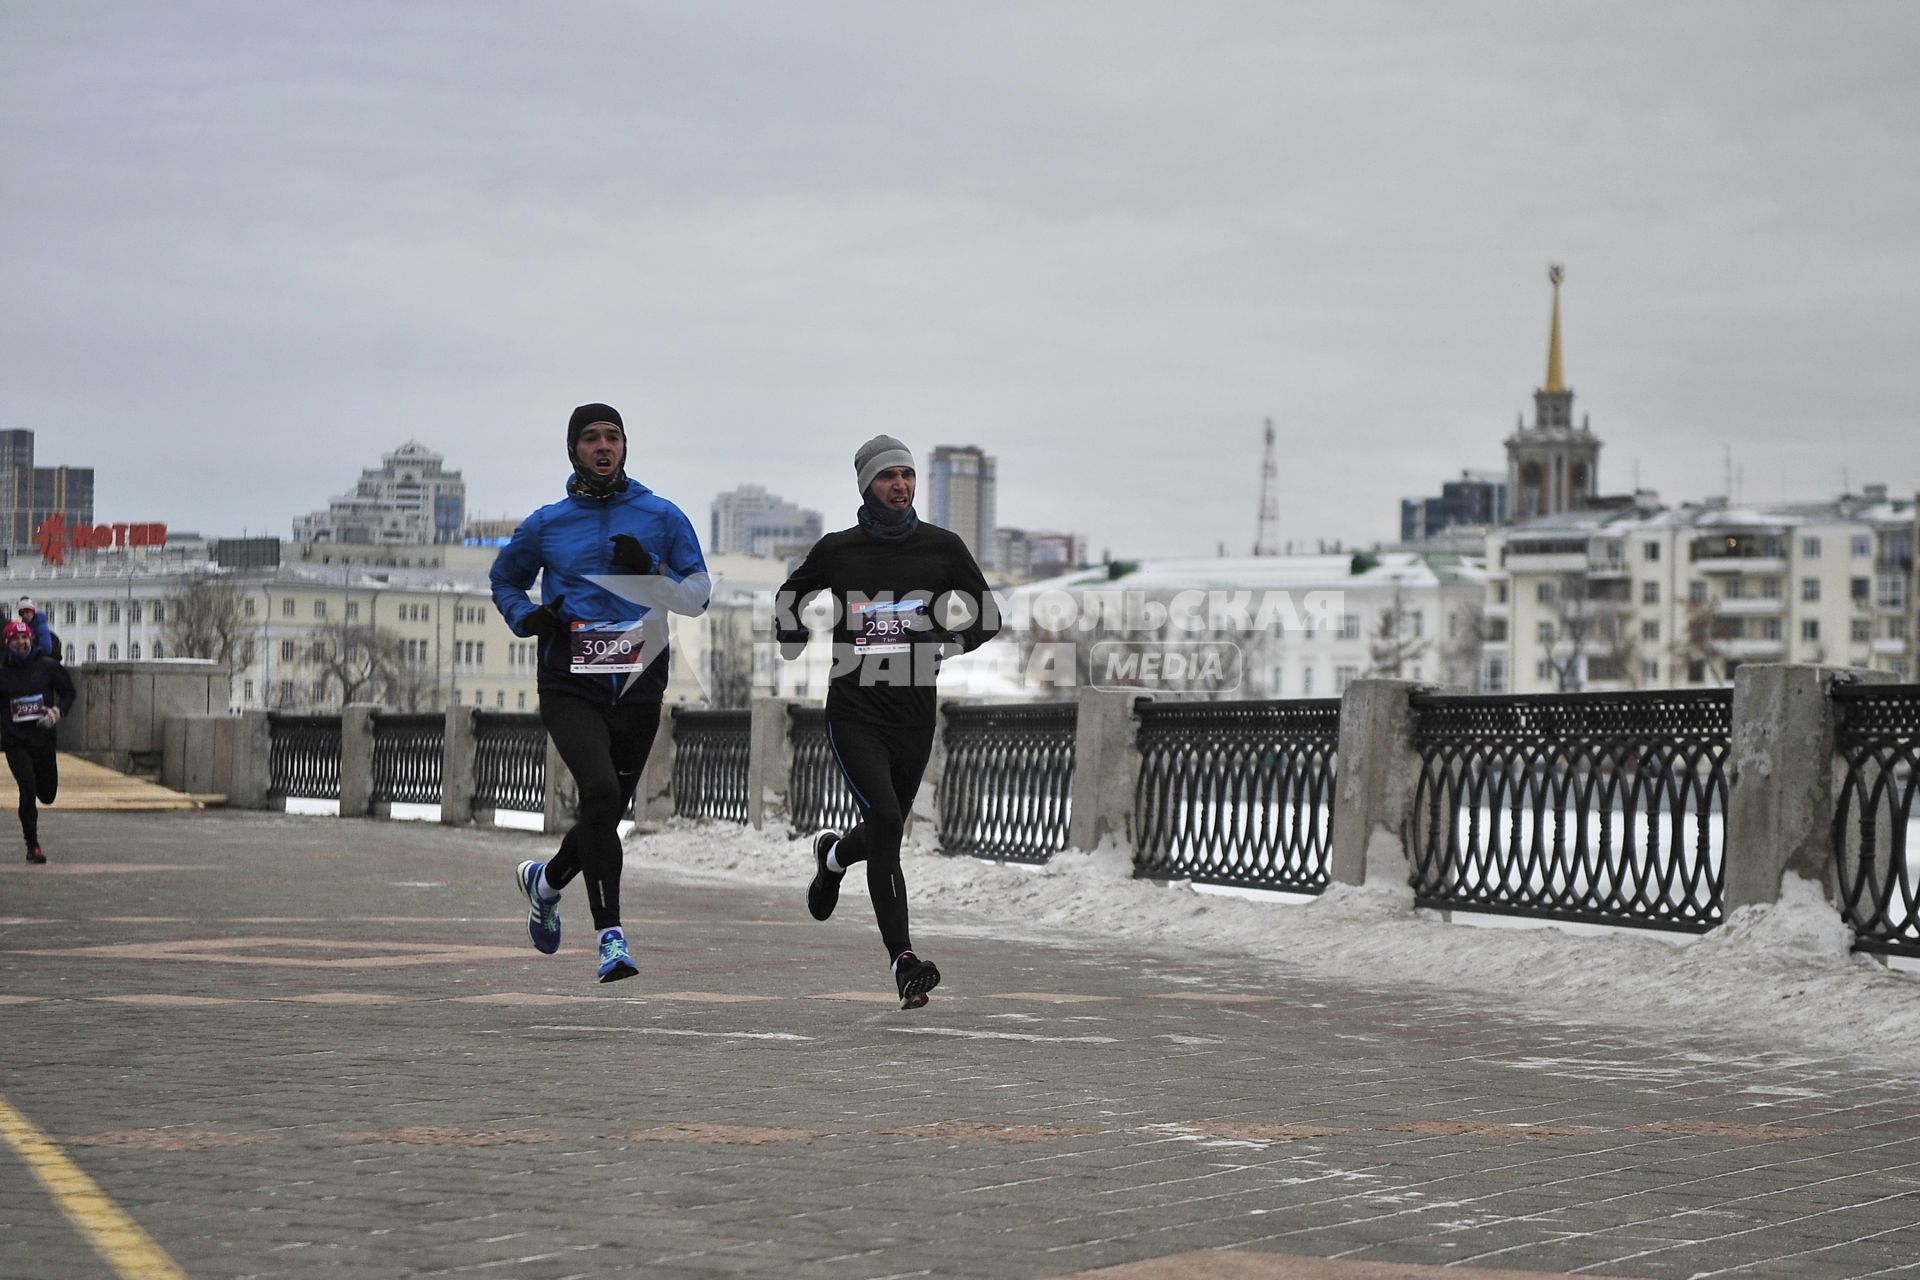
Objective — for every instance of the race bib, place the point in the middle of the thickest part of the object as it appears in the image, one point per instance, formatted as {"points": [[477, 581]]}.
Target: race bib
{"points": [[29, 708], [606, 648], [886, 626]]}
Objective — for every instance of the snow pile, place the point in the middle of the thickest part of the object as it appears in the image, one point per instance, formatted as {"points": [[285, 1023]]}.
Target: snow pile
{"points": [[1778, 975]]}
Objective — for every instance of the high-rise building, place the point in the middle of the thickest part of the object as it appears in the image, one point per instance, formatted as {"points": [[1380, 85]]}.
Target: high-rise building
{"points": [[1476, 499], [410, 499], [962, 492], [29, 494], [752, 522], [1021, 554]]}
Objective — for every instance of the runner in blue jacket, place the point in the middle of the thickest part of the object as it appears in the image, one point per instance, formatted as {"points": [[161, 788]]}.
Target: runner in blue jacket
{"points": [[613, 558]]}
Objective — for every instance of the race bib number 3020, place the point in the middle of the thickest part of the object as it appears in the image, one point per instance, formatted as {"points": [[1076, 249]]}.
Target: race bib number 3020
{"points": [[606, 648]]}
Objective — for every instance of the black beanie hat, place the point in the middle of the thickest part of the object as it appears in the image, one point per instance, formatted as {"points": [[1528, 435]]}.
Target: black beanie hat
{"points": [[588, 414]]}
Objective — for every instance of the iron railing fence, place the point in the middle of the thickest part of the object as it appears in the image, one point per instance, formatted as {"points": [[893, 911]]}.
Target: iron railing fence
{"points": [[1876, 822], [1006, 791], [510, 761], [710, 763], [1604, 808], [407, 751], [1237, 793], [303, 758], [818, 798]]}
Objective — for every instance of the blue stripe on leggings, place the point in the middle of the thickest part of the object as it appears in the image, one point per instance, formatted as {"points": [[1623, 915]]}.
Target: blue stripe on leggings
{"points": [[835, 748]]}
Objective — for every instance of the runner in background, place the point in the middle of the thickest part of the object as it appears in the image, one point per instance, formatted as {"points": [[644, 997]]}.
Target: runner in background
{"points": [[612, 559], [36, 692], [899, 586]]}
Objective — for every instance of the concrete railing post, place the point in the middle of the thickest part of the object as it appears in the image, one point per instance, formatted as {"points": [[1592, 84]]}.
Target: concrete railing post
{"points": [[1106, 767], [561, 801], [769, 763], [653, 799], [356, 759], [252, 760], [926, 801], [457, 765], [1377, 773], [1780, 783]]}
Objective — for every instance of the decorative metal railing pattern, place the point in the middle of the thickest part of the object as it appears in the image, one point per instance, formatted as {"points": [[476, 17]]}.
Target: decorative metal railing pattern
{"points": [[1876, 822], [510, 761], [304, 757], [1007, 789], [1237, 793], [710, 763], [407, 750], [818, 797], [1607, 808]]}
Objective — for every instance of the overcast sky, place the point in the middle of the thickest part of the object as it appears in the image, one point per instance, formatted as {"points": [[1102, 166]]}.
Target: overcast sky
{"points": [[251, 246]]}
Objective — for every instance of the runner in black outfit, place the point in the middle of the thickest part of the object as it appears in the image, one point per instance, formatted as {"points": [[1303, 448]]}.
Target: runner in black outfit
{"points": [[612, 558], [898, 584], [35, 692]]}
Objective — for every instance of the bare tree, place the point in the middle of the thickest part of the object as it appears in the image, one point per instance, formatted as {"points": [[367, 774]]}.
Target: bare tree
{"points": [[1466, 641], [359, 662], [729, 658], [206, 619], [1699, 641], [1397, 642]]}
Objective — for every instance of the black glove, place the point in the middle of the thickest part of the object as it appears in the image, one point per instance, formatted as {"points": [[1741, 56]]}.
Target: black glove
{"points": [[628, 554], [545, 622]]}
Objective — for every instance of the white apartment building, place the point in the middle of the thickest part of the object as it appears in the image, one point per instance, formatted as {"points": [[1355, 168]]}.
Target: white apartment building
{"points": [[749, 521], [1649, 597], [410, 498]]}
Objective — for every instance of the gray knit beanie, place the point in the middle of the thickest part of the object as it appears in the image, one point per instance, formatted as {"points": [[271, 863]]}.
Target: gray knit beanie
{"points": [[876, 455]]}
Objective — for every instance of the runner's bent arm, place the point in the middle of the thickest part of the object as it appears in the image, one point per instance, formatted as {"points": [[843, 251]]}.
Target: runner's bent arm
{"points": [[513, 572], [807, 581]]}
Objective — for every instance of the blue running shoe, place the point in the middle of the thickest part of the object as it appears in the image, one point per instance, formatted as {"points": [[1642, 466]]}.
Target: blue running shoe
{"points": [[543, 918], [615, 963]]}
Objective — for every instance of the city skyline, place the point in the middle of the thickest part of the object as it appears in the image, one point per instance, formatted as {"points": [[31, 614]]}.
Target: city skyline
{"points": [[1104, 244]]}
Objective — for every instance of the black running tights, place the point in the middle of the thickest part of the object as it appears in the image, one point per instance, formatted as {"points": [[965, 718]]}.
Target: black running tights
{"points": [[882, 765], [605, 747], [37, 770]]}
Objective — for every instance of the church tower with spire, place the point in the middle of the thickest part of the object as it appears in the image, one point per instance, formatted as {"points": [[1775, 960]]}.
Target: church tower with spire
{"points": [[1552, 465]]}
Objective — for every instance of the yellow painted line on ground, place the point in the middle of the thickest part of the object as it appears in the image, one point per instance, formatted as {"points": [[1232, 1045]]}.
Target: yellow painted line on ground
{"points": [[118, 1239]]}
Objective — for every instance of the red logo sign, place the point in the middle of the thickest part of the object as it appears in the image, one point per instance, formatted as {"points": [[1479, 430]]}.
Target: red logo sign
{"points": [[54, 537]]}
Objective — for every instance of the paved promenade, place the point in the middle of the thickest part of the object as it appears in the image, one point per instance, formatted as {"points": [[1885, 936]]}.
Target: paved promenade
{"points": [[237, 1045]]}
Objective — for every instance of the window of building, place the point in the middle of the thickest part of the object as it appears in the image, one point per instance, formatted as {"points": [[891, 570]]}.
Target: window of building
{"points": [[1349, 626], [1810, 628], [499, 699], [1496, 676], [286, 607], [479, 653], [1769, 588], [133, 611], [353, 610], [1862, 546], [1499, 593], [1546, 633], [1735, 588], [113, 611], [520, 700], [319, 608], [72, 613], [1543, 592], [1696, 592], [247, 606], [1860, 630], [159, 611], [1306, 685], [1810, 548], [93, 612], [456, 697], [1344, 676], [1650, 631], [1696, 670], [1650, 671], [1860, 589], [1650, 592], [1543, 670], [1497, 630], [286, 693], [159, 651], [113, 652], [1769, 628], [1896, 628], [93, 652], [1809, 588], [133, 651], [1650, 551], [246, 692], [286, 651]]}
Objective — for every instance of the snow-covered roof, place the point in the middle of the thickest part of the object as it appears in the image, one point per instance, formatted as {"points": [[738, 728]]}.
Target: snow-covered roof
{"points": [[1276, 573]]}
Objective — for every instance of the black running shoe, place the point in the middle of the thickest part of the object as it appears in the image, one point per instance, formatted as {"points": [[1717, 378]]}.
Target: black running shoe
{"points": [[823, 893], [34, 855], [915, 977]]}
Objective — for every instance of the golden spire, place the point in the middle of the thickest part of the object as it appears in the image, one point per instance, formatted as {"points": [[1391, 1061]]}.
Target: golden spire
{"points": [[1555, 380]]}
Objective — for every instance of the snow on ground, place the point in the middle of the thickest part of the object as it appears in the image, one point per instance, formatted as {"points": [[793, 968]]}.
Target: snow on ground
{"points": [[1779, 976]]}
